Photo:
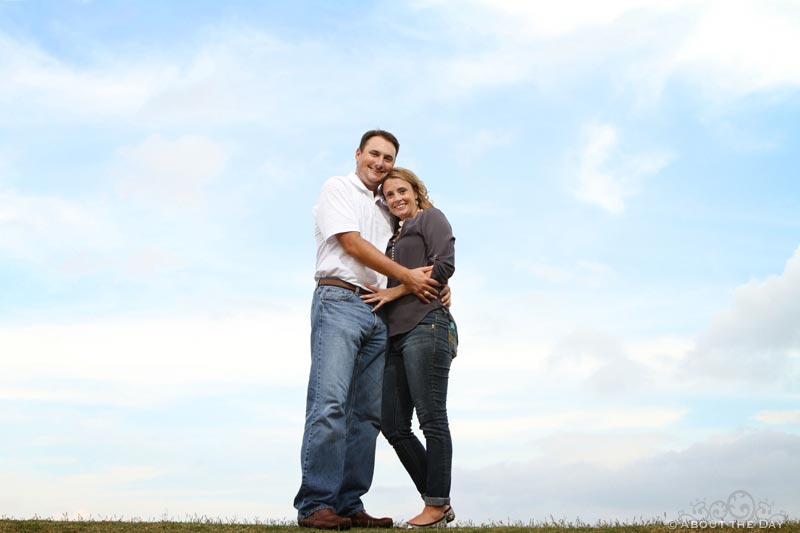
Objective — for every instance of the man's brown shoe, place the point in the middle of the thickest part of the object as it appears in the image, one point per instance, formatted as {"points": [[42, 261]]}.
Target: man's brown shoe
{"points": [[362, 519], [325, 519]]}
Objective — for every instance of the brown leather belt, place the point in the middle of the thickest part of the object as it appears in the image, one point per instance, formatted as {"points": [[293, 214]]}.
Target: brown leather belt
{"points": [[336, 282]]}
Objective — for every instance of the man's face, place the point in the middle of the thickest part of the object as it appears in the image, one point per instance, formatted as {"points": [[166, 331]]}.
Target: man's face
{"points": [[375, 161]]}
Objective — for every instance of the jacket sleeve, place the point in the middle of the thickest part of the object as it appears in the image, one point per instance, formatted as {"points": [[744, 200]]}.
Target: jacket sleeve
{"points": [[440, 245]]}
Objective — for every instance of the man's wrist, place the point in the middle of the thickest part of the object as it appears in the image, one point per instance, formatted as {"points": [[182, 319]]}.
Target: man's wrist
{"points": [[404, 275]]}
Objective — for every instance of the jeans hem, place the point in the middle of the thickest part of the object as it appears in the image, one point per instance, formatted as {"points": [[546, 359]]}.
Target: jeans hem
{"points": [[351, 513], [300, 517], [438, 502]]}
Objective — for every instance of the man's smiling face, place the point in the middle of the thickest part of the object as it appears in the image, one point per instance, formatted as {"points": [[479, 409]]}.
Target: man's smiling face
{"points": [[375, 161]]}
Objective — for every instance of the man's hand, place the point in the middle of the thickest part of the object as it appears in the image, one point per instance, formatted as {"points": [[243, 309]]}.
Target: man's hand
{"points": [[418, 281]]}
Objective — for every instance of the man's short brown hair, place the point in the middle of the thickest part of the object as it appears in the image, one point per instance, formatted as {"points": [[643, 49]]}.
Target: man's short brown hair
{"points": [[379, 133]]}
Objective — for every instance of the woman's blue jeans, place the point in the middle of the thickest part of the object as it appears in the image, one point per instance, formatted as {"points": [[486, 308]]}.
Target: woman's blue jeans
{"points": [[415, 377]]}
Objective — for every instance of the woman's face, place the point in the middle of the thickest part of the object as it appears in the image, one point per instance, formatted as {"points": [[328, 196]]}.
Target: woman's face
{"points": [[401, 198]]}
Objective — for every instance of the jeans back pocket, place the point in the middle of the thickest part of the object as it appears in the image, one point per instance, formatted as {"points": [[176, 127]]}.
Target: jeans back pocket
{"points": [[452, 337]]}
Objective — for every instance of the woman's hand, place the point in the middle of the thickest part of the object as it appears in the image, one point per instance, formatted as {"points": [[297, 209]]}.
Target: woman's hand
{"points": [[383, 296]]}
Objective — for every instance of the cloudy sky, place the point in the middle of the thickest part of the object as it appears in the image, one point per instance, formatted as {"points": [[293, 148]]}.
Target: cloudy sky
{"points": [[621, 177]]}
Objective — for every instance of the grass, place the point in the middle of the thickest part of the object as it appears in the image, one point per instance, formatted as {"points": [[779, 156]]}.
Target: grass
{"points": [[208, 525]]}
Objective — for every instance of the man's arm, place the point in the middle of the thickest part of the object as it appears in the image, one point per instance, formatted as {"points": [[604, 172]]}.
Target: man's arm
{"points": [[416, 280]]}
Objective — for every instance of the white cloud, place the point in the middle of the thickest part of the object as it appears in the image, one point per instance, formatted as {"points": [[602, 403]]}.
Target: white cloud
{"points": [[568, 351], [35, 228], [529, 21], [502, 378], [607, 176], [597, 186], [475, 146], [730, 49], [7, 166], [583, 273], [225, 81], [601, 360], [238, 77], [712, 470], [113, 361], [611, 449], [653, 350], [243, 75], [147, 261], [173, 172], [96, 233], [742, 47], [595, 268], [662, 357], [139, 492], [40, 83], [237, 74], [275, 173], [548, 273], [76, 238], [757, 338], [566, 420], [462, 75], [778, 418]]}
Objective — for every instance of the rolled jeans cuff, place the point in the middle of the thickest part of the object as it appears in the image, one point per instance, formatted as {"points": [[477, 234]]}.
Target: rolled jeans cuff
{"points": [[436, 502]]}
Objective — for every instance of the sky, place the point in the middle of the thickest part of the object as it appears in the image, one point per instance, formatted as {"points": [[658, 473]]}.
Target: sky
{"points": [[621, 178]]}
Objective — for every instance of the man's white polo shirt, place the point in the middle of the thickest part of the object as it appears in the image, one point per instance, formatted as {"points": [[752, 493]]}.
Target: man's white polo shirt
{"points": [[345, 204]]}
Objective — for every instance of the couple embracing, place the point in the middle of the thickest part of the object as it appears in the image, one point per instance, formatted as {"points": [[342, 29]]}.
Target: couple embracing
{"points": [[382, 340]]}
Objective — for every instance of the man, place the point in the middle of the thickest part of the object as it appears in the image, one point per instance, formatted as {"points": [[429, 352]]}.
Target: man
{"points": [[348, 341]]}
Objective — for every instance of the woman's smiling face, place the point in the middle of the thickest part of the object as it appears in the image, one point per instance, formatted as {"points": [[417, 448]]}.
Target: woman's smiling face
{"points": [[401, 198]]}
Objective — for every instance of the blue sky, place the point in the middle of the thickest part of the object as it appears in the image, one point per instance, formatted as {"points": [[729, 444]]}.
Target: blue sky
{"points": [[620, 176]]}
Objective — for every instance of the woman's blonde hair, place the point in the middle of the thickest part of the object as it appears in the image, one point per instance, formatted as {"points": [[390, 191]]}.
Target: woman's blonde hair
{"points": [[423, 202]]}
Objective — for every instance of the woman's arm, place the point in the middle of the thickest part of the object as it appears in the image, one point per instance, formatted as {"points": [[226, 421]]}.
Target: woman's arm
{"points": [[384, 296], [439, 245]]}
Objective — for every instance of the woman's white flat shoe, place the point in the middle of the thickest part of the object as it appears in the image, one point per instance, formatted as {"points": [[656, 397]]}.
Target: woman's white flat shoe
{"points": [[442, 522]]}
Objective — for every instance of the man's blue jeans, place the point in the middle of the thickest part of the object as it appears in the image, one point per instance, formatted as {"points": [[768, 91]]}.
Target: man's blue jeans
{"points": [[416, 377], [343, 405]]}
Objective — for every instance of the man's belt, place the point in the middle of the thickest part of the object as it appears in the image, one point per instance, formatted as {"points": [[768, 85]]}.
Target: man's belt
{"points": [[336, 282]]}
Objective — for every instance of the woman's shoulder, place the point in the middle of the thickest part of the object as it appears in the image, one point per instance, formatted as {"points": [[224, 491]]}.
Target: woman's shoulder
{"points": [[433, 215]]}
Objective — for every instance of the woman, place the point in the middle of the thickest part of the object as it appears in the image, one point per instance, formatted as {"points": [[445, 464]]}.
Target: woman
{"points": [[422, 343]]}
